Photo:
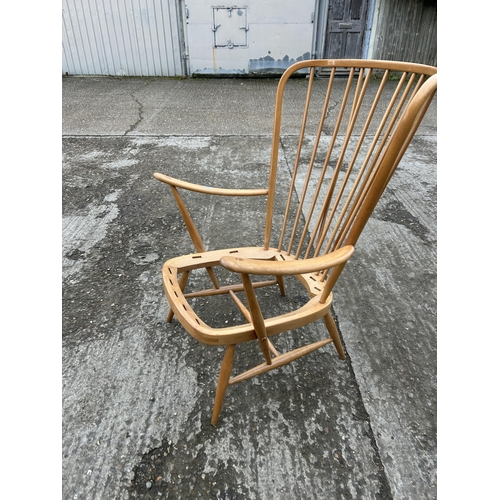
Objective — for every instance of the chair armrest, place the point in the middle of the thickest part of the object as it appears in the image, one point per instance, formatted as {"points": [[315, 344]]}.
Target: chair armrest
{"points": [[287, 267], [209, 190]]}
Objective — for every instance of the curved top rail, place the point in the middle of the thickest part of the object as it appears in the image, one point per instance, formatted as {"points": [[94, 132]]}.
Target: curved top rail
{"points": [[424, 69]]}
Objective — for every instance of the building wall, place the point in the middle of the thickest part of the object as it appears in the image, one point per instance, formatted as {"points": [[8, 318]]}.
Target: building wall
{"points": [[122, 38], [181, 37]]}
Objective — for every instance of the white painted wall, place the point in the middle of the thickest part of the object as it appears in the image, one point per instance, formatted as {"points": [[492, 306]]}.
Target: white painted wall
{"points": [[281, 31]]}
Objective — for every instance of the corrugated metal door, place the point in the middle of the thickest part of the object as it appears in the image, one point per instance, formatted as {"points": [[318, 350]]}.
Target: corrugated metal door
{"points": [[123, 37]]}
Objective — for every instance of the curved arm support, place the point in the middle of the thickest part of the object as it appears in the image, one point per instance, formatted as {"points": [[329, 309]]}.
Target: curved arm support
{"points": [[288, 267], [207, 189]]}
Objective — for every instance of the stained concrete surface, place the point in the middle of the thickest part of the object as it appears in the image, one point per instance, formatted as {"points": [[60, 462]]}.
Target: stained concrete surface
{"points": [[137, 392]]}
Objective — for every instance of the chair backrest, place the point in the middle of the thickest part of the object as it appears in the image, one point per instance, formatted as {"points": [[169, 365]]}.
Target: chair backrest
{"points": [[348, 139]]}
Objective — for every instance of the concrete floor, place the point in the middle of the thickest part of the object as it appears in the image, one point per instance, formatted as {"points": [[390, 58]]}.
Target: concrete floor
{"points": [[137, 392]]}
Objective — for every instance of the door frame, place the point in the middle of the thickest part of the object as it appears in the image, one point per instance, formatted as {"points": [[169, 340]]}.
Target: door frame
{"points": [[183, 14]]}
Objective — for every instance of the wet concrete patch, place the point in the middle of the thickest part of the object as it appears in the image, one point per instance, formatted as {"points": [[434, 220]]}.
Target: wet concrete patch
{"points": [[394, 211]]}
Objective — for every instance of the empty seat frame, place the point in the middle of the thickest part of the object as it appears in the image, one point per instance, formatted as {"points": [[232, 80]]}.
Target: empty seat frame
{"points": [[355, 126]]}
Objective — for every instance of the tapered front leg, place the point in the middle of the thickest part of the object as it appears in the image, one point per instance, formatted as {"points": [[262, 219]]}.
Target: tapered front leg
{"points": [[334, 334], [225, 373]]}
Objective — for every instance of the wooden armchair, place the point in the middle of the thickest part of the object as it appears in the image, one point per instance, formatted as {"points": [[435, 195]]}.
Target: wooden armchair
{"points": [[356, 125]]}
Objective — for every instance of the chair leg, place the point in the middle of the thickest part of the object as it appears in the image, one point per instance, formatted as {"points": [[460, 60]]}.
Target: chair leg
{"points": [[225, 373], [170, 315], [281, 284], [334, 334]]}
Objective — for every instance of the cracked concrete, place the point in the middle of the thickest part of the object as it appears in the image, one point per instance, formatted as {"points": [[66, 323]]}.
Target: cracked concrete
{"points": [[137, 392], [139, 120], [140, 111]]}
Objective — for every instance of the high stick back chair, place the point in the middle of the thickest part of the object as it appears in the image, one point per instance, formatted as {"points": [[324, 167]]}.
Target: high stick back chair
{"points": [[354, 128]]}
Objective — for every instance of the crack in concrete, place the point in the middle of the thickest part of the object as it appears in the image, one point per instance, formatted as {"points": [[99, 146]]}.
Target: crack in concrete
{"points": [[141, 107], [330, 108], [135, 125]]}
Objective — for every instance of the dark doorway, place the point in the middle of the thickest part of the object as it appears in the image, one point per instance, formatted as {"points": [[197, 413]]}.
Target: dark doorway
{"points": [[346, 29]]}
